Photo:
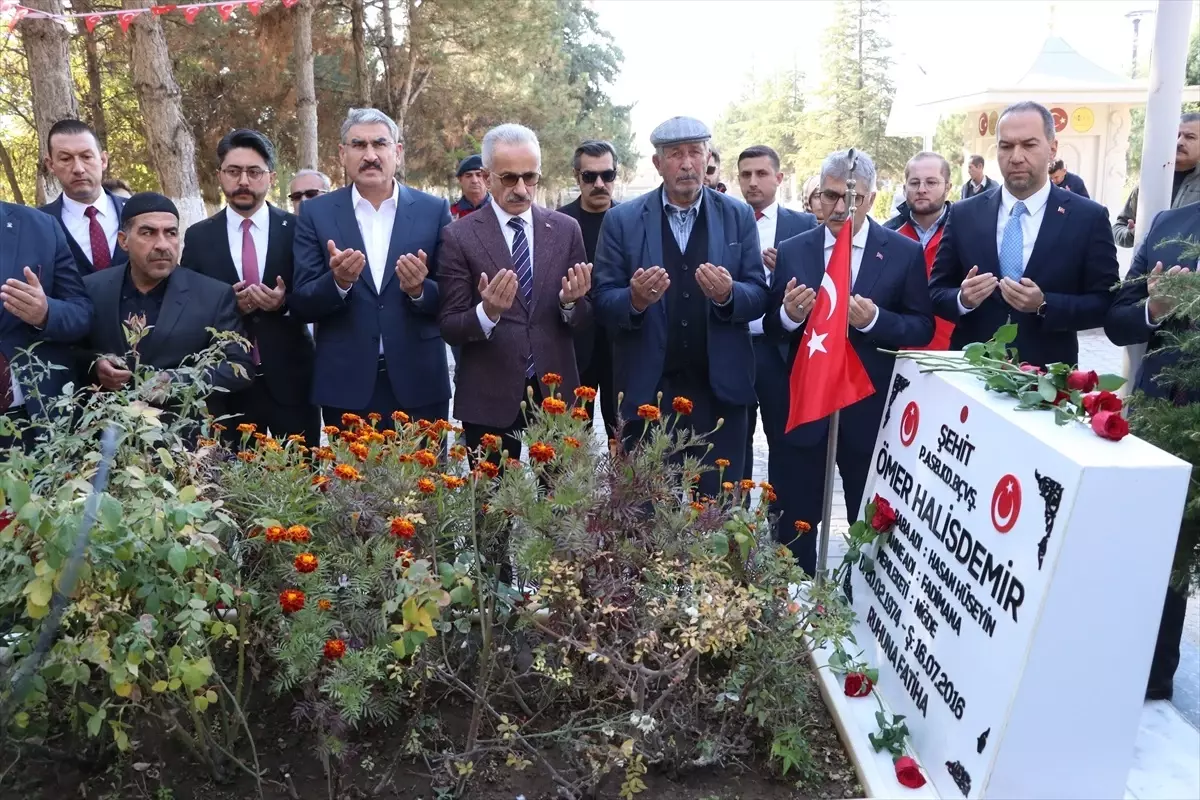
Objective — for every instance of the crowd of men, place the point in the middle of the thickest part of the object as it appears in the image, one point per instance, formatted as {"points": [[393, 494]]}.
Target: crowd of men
{"points": [[684, 292]]}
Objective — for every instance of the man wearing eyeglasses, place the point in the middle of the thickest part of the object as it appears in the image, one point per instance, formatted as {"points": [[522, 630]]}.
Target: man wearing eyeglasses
{"points": [[514, 288], [922, 218], [366, 273], [248, 245], [595, 165], [473, 183], [307, 184]]}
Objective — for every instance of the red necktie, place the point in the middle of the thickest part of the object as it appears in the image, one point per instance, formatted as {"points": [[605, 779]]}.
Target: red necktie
{"points": [[101, 257], [250, 268], [758, 215]]}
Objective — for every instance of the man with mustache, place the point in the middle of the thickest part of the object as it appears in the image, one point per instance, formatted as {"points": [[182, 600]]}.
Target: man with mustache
{"points": [[679, 277], [248, 245], [1185, 189], [179, 306], [474, 187], [307, 184], [366, 273], [595, 166]]}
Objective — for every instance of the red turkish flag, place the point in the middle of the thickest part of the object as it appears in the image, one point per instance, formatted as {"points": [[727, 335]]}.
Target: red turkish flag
{"points": [[827, 375], [126, 17], [91, 21], [191, 12]]}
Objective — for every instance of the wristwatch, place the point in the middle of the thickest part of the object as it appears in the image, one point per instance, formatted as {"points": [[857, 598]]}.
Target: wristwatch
{"points": [[1041, 310], [566, 306]]}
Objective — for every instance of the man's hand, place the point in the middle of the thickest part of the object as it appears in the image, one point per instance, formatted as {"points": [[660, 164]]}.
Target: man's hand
{"points": [[576, 284], [346, 265], [1160, 305], [267, 298], [976, 288], [648, 286], [111, 375], [244, 297], [1024, 296], [412, 271], [498, 294], [798, 300], [862, 311], [769, 256], [715, 282], [1130, 225], [26, 300]]}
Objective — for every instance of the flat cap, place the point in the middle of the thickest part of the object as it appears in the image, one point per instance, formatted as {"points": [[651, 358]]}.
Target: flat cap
{"points": [[469, 164], [678, 130], [146, 203]]}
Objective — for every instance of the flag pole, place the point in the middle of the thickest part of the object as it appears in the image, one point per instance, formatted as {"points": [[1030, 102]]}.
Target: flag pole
{"points": [[835, 417]]}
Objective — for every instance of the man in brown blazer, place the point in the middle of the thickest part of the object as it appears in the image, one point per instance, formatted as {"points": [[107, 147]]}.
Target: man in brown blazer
{"points": [[514, 287]]}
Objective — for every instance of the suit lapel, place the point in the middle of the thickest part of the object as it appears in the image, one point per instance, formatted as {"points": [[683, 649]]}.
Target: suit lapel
{"points": [[486, 226], [987, 231], [400, 228], [220, 235], [1054, 219], [652, 220], [278, 246], [173, 304], [108, 310], [874, 259], [816, 257], [544, 241], [352, 238], [10, 237], [716, 230]]}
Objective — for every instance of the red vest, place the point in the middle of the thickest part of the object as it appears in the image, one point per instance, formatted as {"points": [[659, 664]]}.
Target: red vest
{"points": [[942, 328]]}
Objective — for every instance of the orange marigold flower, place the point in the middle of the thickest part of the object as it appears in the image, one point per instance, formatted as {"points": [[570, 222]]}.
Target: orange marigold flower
{"points": [[458, 452], [349, 436], [335, 649], [649, 412], [426, 458], [320, 481], [489, 469], [218, 427], [404, 458], [347, 472], [206, 442], [585, 393], [727, 486], [247, 456], [324, 604], [291, 600], [541, 452], [351, 420], [697, 507], [453, 482], [272, 445], [260, 437], [324, 454], [769, 495], [359, 451], [399, 416], [374, 416], [305, 562], [276, 534], [247, 427], [388, 433], [552, 379], [296, 438], [747, 485], [426, 486], [552, 405], [404, 556], [682, 405], [254, 532], [489, 442], [802, 526], [330, 430], [722, 463], [402, 528], [571, 441], [299, 533], [580, 413]]}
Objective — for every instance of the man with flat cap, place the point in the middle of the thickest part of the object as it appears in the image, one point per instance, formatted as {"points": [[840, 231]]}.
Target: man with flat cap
{"points": [[678, 277], [178, 305], [474, 187]]}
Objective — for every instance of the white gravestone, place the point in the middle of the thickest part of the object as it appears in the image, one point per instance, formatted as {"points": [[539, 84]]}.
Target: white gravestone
{"points": [[1013, 611]]}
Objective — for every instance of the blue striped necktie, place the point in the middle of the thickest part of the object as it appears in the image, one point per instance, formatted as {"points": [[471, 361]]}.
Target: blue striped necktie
{"points": [[524, 269], [1012, 245]]}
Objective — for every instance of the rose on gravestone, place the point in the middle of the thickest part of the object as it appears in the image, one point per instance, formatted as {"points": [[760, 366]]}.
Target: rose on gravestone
{"points": [[908, 773]]}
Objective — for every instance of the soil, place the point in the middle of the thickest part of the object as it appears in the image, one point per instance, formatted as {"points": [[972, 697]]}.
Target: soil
{"points": [[158, 769]]}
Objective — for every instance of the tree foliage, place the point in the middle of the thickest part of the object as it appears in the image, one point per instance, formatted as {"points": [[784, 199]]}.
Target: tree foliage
{"points": [[1137, 124]]}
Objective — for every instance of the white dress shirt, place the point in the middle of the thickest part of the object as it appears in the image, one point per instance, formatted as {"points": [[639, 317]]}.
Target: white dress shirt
{"points": [[1031, 223], [767, 225], [79, 226], [375, 225], [857, 246], [260, 226]]}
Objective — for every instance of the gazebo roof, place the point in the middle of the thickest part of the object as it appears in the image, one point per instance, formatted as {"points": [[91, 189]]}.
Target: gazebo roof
{"points": [[1059, 65]]}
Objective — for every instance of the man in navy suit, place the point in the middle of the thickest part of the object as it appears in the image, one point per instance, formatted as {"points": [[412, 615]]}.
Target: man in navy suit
{"points": [[760, 176], [889, 308], [43, 301], [1032, 253], [90, 215], [366, 272], [1137, 317], [677, 280]]}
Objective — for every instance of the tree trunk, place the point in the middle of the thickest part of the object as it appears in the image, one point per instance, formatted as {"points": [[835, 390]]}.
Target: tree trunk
{"points": [[94, 100], [410, 82], [47, 47], [388, 51], [306, 92], [10, 173], [358, 34], [168, 136]]}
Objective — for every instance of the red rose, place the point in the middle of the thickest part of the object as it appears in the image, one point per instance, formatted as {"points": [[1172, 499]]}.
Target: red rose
{"points": [[909, 773], [1058, 398], [1110, 425], [885, 515], [1083, 381], [857, 685], [1096, 402], [1032, 369]]}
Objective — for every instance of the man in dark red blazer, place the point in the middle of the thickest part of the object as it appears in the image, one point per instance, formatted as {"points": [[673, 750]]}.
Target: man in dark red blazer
{"points": [[513, 284]]}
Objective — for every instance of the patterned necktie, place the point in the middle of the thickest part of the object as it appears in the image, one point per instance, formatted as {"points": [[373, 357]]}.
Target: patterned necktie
{"points": [[250, 271], [1012, 246], [524, 269], [101, 257]]}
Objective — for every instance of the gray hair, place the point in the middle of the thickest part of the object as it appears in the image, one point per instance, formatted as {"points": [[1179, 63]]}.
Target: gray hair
{"points": [[509, 133], [1026, 106], [369, 116], [837, 165], [326, 184]]}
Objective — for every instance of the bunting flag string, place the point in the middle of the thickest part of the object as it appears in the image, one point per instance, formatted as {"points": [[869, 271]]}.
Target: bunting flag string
{"points": [[15, 12]]}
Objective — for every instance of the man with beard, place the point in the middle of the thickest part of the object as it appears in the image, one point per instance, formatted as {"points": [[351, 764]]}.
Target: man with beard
{"points": [[922, 218], [366, 274], [178, 305], [474, 187], [89, 214], [595, 165], [248, 245], [712, 172], [1185, 188]]}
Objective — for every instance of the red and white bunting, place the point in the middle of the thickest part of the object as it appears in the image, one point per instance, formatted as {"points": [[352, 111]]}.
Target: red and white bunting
{"points": [[191, 12], [126, 17], [12, 12]]}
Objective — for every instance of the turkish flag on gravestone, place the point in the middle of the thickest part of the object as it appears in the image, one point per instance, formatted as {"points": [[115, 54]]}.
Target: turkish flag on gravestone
{"points": [[827, 375]]}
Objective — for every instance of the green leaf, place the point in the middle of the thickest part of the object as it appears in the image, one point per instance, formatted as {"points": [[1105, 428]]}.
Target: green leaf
{"points": [[1031, 399], [1047, 389], [177, 558], [868, 564], [95, 721], [1007, 334], [1110, 383], [462, 595], [872, 675], [110, 512], [165, 455]]}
